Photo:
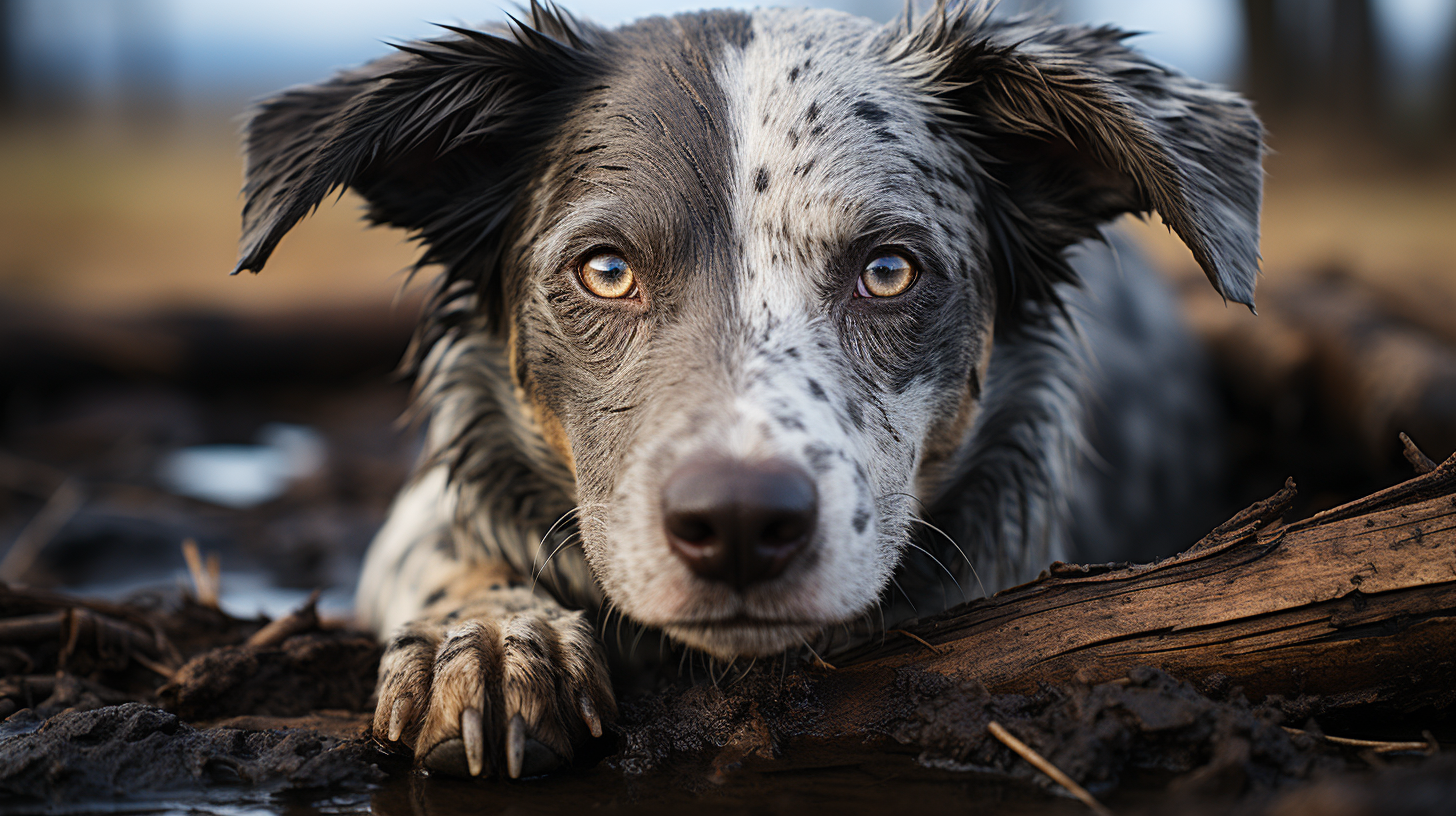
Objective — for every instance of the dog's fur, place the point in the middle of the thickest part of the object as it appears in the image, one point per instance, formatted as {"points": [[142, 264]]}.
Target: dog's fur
{"points": [[747, 164]]}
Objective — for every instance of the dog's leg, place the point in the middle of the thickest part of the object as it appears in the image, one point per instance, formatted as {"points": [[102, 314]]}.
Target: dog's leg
{"points": [[480, 673]]}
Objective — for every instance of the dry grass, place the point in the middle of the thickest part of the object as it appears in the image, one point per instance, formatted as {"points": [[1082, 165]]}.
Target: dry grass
{"points": [[1389, 221], [108, 224], [120, 226]]}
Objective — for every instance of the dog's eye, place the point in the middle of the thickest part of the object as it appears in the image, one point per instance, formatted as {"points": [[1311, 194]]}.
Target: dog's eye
{"points": [[607, 275], [889, 274]]}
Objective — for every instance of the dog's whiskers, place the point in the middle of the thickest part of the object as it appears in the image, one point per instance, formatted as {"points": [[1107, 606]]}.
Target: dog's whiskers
{"points": [[571, 539], [938, 563], [969, 564], [908, 599]]}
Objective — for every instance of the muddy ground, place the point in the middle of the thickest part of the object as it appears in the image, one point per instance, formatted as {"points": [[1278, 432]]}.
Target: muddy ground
{"points": [[290, 717], [120, 689]]}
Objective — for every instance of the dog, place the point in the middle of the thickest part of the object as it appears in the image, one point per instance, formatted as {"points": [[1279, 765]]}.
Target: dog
{"points": [[755, 330]]}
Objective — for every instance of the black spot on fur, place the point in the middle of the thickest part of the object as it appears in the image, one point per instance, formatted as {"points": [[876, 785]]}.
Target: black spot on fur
{"points": [[817, 391], [760, 180], [861, 520], [453, 650], [870, 112], [852, 408], [793, 74], [813, 112], [405, 641], [445, 545], [434, 597], [790, 422], [819, 457], [884, 135]]}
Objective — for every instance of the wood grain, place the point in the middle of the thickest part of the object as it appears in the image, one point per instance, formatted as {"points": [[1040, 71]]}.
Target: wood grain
{"points": [[1357, 603]]}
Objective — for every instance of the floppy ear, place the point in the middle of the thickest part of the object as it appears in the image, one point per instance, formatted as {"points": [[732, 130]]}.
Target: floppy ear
{"points": [[1075, 128], [437, 138]]}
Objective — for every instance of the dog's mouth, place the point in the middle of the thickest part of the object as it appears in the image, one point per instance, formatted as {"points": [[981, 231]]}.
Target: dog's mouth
{"points": [[744, 635], [742, 621]]}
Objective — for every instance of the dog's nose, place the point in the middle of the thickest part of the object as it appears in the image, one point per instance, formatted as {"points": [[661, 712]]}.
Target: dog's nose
{"points": [[739, 522]]}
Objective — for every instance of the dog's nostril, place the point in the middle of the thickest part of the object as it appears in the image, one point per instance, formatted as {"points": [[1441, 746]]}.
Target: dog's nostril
{"points": [[739, 522], [690, 527]]}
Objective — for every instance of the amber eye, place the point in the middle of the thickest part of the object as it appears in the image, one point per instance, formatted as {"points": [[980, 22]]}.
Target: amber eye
{"points": [[889, 274], [607, 275]]}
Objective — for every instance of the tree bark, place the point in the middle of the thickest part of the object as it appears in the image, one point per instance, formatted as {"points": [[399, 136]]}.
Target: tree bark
{"points": [[1356, 604]]}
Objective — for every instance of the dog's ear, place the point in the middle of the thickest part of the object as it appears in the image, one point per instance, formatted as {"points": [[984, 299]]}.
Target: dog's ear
{"points": [[1075, 128], [437, 138]]}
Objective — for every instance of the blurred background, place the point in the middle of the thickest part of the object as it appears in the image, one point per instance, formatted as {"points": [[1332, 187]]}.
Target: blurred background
{"points": [[146, 397]]}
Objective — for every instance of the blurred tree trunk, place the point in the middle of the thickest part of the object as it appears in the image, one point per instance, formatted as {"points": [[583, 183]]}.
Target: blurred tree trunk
{"points": [[1266, 64], [8, 92], [1446, 101], [1316, 58], [1357, 67]]}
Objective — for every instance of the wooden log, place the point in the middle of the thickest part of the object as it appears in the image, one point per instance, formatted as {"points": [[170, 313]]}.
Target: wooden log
{"points": [[1374, 363], [1356, 604]]}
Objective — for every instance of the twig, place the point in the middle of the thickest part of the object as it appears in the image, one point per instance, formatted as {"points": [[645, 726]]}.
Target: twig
{"points": [[303, 619], [1418, 459], [1041, 764], [819, 661], [153, 666], [58, 510], [205, 580], [918, 639], [1378, 746]]}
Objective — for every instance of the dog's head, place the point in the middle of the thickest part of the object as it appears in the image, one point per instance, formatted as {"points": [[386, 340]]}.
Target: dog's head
{"points": [[747, 267]]}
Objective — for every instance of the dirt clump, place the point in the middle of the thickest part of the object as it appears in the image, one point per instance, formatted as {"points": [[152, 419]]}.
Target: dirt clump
{"points": [[305, 673], [125, 749]]}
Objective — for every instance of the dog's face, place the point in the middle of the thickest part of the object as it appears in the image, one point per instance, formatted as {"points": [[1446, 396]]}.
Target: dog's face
{"points": [[747, 267]]}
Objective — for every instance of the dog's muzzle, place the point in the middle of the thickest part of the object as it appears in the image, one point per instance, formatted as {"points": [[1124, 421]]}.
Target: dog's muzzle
{"points": [[739, 523]]}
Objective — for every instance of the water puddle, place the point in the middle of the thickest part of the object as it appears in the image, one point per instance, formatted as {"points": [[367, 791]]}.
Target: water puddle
{"points": [[881, 789]]}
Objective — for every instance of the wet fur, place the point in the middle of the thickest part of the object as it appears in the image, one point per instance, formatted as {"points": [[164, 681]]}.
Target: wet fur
{"points": [[746, 162]]}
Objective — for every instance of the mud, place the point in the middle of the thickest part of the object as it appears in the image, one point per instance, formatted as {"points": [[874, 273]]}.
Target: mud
{"points": [[305, 673], [1102, 736], [229, 716], [106, 700], [124, 750]]}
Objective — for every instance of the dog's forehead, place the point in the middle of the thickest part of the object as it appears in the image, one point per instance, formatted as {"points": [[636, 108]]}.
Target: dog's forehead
{"points": [[771, 138], [827, 132]]}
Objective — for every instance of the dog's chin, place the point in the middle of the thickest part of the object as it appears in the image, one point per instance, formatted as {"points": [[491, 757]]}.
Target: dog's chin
{"points": [[732, 639]]}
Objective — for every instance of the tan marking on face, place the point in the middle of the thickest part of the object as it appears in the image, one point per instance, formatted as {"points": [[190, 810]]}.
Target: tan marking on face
{"points": [[548, 424], [945, 439], [545, 421]]}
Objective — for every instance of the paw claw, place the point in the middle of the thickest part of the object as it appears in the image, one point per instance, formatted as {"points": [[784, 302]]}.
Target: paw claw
{"points": [[472, 732], [589, 713], [515, 746], [494, 691], [398, 716]]}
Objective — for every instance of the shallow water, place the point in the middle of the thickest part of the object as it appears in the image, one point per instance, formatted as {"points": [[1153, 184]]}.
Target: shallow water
{"points": [[886, 788]]}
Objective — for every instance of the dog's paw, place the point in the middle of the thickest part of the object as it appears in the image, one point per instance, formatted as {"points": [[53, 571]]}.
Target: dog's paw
{"points": [[508, 685]]}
